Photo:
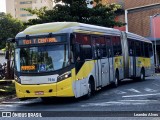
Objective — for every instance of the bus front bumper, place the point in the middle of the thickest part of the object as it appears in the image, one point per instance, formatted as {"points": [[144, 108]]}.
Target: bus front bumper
{"points": [[60, 89]]}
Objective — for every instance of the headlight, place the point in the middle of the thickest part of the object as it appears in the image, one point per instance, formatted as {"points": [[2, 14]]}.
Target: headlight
{"points": [[64, 76], [17, 79]]}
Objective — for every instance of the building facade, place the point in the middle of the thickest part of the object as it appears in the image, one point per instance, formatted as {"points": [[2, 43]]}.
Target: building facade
{"points": [[16, 7], [143, 18]]}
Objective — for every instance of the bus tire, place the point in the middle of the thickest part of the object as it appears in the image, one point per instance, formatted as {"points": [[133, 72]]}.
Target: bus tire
{"points": [[116, 82], [90, 89], [142, 75]]}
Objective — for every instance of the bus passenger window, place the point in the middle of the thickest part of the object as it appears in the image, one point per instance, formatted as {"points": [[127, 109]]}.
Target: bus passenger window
{"points": [[109, 46], [138, 49], [146, 50], [94, 53], [117, 49], [110, 53], [77, 51], [131, 52], [150, 50], [99, 51], [71, 55], [86, 47], [85, 51], [103, 47], [142, 49], [131, 47]]}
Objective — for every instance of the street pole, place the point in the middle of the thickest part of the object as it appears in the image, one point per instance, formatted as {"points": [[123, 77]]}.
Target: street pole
{"points": [[154, 36], [8, 71], [126, 19]]}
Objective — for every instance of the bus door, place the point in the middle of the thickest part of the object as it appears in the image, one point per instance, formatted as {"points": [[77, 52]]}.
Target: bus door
{"points": [[104, 62], [134, 64], [97, 56], [110, 58], [132, 54]]}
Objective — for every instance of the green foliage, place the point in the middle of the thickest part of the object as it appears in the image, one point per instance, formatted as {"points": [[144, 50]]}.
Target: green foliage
{"points": [[77, 11], [9, 27], [71, 1], [7, 89], [39, 12]]}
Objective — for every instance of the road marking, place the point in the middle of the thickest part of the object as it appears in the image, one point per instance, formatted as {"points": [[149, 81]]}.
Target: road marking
{"points": [[103, 104], [119, 92], [6, 106], [21, 102], [116, 92], [150, 90], [155, 84], [121, 102], [139, 100], [141, 95], [133, 90], [17, 102]]}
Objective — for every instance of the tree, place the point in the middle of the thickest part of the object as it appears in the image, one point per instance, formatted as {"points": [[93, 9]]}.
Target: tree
{"points": [[9, 27], [77, 11]]}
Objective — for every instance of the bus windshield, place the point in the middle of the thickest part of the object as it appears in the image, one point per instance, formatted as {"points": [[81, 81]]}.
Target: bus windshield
{"points": [[41, 58]]}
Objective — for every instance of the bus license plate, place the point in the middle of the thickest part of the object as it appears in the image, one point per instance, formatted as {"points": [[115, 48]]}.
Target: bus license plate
{"points": [[39, 93]]}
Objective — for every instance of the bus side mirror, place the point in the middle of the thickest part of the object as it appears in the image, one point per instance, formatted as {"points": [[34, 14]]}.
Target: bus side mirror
{"points": [[7, 55]]}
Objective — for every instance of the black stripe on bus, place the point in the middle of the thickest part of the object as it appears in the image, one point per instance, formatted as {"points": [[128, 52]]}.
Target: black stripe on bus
{"points": [[59, 72]]}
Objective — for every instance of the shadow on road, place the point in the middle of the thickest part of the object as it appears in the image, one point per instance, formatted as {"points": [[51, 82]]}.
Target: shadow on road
{"points": [[68, 101], [52, 101]]}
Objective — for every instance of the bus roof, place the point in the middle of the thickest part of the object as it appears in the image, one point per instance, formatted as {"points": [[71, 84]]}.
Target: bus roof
{"points": [[70, 27], [66, 27], [137, 37]]}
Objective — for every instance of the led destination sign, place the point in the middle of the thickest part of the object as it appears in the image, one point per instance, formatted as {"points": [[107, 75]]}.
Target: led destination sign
{"points": [[37, 41], [41, 40], [28, 67]]}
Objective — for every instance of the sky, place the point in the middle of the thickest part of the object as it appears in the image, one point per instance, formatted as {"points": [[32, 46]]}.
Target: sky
{"points": [[2, 5]]}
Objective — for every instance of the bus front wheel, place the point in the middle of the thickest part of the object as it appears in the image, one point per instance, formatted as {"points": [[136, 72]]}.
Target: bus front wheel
{"points": [[90, 89]]}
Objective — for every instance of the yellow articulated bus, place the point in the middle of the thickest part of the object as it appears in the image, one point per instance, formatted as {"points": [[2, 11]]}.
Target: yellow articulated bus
{"points": [[70, 59]]}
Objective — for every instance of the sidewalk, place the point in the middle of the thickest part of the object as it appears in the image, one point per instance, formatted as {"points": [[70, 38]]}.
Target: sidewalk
{"points": [[158, 73], [7, 90]]}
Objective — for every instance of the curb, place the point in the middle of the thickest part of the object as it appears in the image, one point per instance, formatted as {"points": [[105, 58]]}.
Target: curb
{"points": [[157, 74], [7, 98]]}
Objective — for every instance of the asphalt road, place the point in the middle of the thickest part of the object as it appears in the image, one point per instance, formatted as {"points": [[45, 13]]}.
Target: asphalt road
{"points": [[130, 99]]}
